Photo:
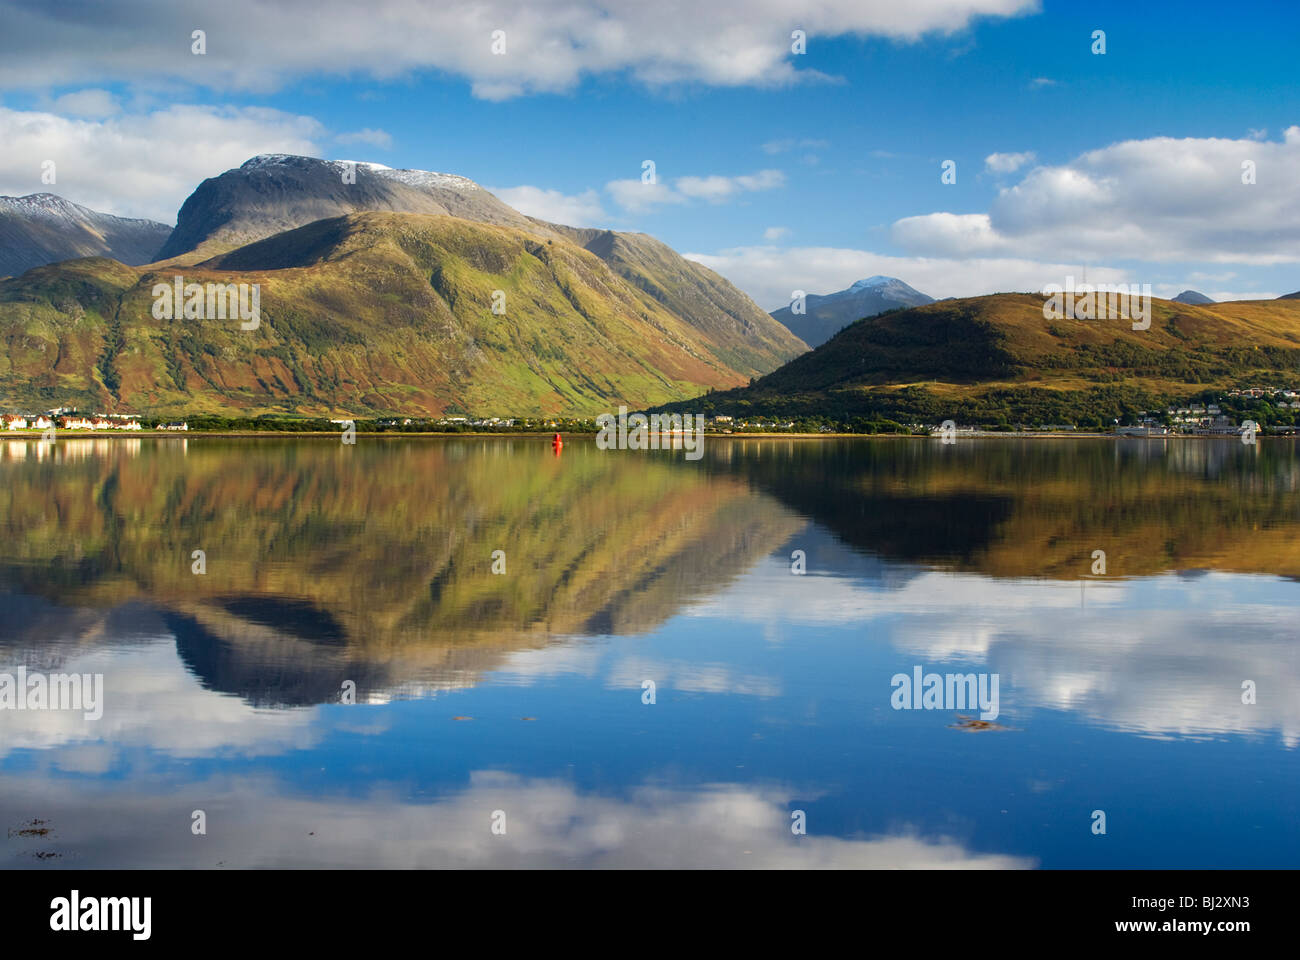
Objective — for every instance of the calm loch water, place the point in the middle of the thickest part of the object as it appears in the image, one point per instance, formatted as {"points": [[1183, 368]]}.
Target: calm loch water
{"points": [[639, 677]]}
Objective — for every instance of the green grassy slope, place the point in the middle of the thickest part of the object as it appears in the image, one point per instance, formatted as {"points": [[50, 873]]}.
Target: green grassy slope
{"points": [[978, 358], [743, 335], [373, 313]]}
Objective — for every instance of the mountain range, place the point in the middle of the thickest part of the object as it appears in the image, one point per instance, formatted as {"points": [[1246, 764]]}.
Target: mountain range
{"points": [[825, 316], [43, 228], [389, 292], [381, 292]]}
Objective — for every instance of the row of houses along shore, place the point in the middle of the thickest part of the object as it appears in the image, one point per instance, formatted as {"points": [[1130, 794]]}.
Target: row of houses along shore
{"points": [[72, 420]]}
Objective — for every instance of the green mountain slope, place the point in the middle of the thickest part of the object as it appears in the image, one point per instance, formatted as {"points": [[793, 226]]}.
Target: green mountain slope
{"points": [[977, 359], [371, 313], [744, 336], [270, 194]]}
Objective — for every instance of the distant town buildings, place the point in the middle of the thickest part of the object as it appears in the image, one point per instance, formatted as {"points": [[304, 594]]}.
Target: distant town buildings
{"points": [[66, 419], [487, 422]]}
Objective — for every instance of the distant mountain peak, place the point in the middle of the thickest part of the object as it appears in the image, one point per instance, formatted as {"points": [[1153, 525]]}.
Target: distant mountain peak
{"points": [[41, 198], [42, 204], [1192, 297], [273, 192], [824, 316], [51, 204], [414, 178], [876, 281], [43, 228]]}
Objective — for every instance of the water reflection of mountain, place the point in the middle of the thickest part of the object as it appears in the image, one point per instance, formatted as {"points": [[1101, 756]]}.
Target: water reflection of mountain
{"points": [[826, 553], [44, 634], [371, 563], [1041, 508]]}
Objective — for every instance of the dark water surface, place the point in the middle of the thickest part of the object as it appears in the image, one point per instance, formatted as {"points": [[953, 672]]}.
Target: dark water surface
{"points": [[516, 699]]}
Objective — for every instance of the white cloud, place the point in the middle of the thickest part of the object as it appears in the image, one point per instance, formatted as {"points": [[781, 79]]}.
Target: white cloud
{"points": [[636, 196], [1160, 199], [150, 699], [690, 677], [87, 103], [1148, 658], [1223, 296], [377, 138], [576, 210], [1200, 276], [142, 165], [713, 188], [769, 274], [551, 823], [550, 44], [1008, 162], [1039, 82], [775, 233], [716, 189]]}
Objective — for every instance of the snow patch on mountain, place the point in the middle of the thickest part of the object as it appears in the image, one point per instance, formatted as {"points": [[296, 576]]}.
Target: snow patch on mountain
{"points": [[413, 178], [49, 206], [876, 281]]}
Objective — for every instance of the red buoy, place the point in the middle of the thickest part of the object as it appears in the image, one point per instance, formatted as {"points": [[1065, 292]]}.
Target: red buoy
{"points": [[557, 443]]}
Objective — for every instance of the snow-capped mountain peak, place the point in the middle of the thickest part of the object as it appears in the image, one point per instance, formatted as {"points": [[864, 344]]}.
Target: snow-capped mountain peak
{"points": [[876, 281], [414, 178]]}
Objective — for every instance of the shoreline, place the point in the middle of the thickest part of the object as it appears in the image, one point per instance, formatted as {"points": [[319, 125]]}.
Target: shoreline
{"points": [[399, 435]]}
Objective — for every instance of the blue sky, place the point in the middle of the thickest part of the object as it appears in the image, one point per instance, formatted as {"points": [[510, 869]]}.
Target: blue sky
{"points": [[781, 171]]}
